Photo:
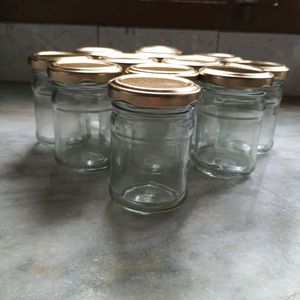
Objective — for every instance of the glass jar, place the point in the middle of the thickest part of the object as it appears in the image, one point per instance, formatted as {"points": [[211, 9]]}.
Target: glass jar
{"points": [[160, 52], [42, 90], [126, 60], [272, 98], [151, 127], [229, 120], [197, 62], [82, 112]]}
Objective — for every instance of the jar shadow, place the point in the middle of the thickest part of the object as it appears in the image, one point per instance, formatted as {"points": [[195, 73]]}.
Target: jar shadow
{"points": [[145, 249], [53, 193]]}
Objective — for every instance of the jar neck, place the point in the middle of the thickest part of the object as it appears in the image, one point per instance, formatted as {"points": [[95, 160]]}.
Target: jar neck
{"points": [[241, 92], [126, 107], [79, 86], [40, 74], [278, 83]]}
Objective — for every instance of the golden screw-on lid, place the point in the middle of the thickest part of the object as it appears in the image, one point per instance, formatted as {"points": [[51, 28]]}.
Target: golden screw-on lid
{"points": [[126, 59], [153, 91], [195, 61], [159, 49], [224, 57], [163, 68], [279, 71], [40, 60], [236, 76], [97, 50], [82, 69]]}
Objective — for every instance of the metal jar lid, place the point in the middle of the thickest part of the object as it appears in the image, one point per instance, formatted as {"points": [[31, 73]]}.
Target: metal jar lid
{"points": [[40, 60], [126, 59], [224, 57], [279, 71], [153, 91], [195, 61], [236, 76], [97, 50], [159, 49], [82, 70], [163, 68]]}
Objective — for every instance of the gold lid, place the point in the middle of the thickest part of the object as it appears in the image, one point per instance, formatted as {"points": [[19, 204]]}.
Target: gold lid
{"points": [[159, 49], [126, 59], [163, 68], [224, 57], [153, 91], [195, 61], [82, 69], [40, 60], [97, 50], [279, 71], [236, 76]]}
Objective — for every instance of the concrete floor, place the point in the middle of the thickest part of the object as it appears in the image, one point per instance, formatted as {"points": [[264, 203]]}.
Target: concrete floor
{"points": [[62, 238]]}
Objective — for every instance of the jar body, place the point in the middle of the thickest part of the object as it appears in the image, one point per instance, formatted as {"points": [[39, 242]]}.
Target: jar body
{"points": [[272, 98], [227, 133], [150, 154], [42, 90], [82, 134]]}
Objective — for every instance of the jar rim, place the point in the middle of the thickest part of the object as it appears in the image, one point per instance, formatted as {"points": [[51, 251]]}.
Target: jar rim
{"points": [[236, 76], [223, 57], [164, 68], [153, 91], [279, 71], [190, 62], [82, 69], [125, 59], [40, 60], [89, 50], [159, 49]]}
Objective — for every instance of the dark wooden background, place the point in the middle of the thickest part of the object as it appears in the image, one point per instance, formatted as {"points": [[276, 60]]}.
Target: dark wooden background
{"points": [[278, 16]]}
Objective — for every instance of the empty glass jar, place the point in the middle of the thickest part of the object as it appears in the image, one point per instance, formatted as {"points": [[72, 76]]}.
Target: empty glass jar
{"points": [[272, 98], [82, 112], [151, 127], [197, 62], [229, 120], [42, 90]]}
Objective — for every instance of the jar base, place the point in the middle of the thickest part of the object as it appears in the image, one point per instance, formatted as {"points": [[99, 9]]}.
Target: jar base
{"points": [[220, 175], [44, 140], [148, 198], [80, 168], [230, 162], [263, 149]]}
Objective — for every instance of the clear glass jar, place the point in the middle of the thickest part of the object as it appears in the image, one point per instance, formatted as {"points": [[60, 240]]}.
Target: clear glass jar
{"points": [[82, 112], [151, 130], [229, 120], [272, 98], [197, 62], [42, 90]]}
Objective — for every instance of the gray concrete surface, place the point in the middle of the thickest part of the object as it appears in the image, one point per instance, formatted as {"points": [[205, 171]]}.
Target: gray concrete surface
{"points": [[62, 238]]}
